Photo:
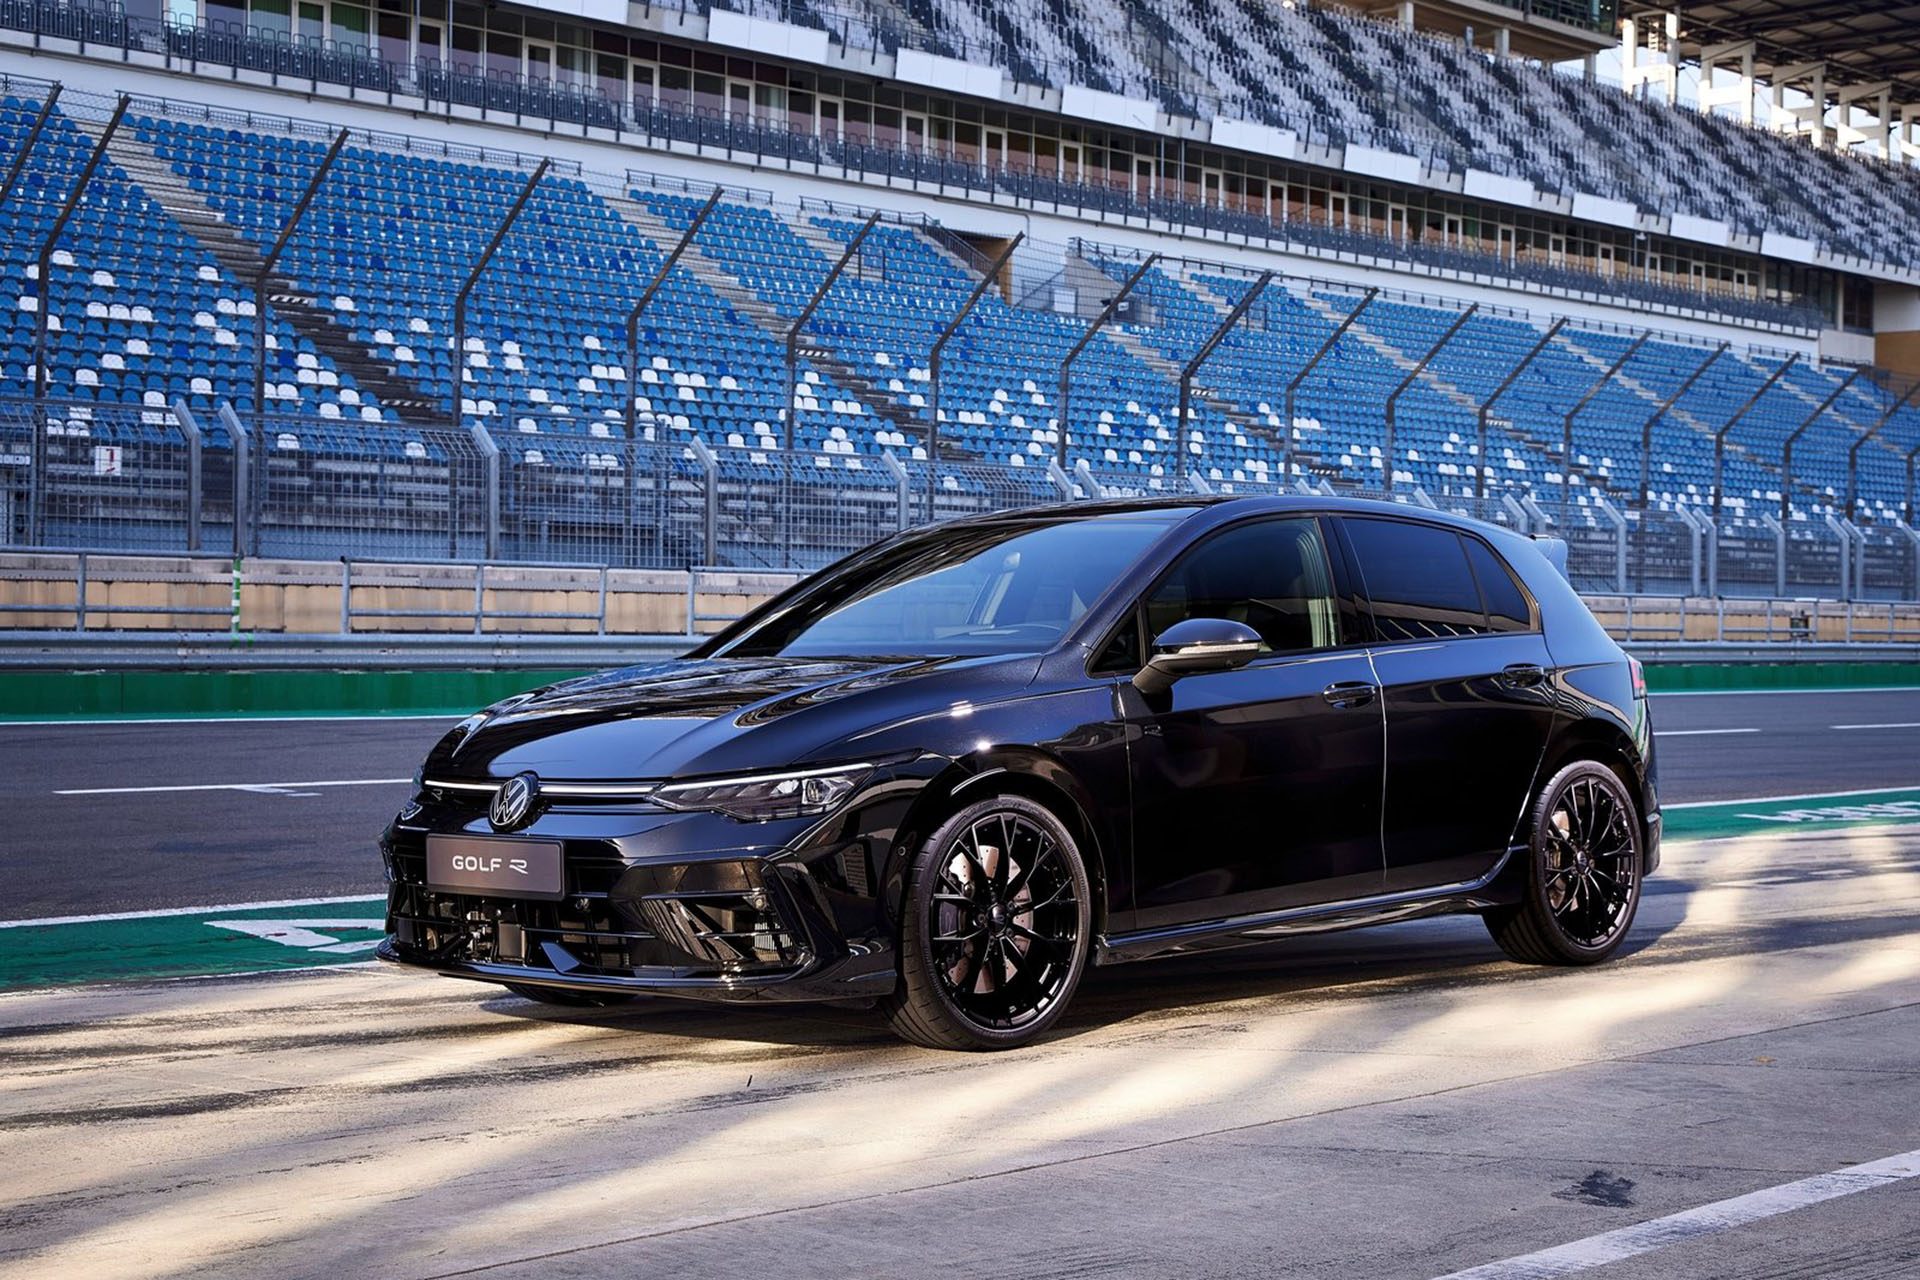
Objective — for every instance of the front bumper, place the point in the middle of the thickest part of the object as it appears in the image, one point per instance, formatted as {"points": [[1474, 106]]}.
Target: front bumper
{"points": [[690, 905], [659, 945]]}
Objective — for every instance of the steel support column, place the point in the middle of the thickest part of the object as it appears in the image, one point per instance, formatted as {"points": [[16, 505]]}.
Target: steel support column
{"points": [[938, 352], [1064, 398], [639, 309], [196, 478], [1486, 409], [1566, 423], [1786, 449], [1653, 420], [271, 261], [42, 313], [800, 322], [790, 415], [1853, 453], [27, 143], [1192, 367], [456, 416], [1720, 436], [1293, 386], [1413, 375], [1912, 455]]}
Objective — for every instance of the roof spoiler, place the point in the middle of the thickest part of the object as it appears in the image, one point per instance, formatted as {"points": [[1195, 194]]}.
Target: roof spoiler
{"points": [[1554, 549]]}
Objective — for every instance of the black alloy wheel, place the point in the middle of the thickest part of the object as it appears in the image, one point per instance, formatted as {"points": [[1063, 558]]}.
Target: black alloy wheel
{"points": [[1583, 884], [995, 930]]}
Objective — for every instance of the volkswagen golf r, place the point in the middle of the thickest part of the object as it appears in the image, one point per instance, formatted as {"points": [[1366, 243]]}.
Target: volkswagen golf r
{"points": [[953, 770]]}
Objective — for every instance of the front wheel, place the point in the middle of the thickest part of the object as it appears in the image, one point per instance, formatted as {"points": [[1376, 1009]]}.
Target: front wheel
{"points": [[1583, 874], [995, 928]]}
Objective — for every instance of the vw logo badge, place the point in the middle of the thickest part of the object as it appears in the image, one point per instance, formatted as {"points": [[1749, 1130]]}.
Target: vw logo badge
{"points": [[513, 801]]}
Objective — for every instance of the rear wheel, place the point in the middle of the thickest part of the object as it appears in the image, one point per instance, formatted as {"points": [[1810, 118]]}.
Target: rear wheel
{"points": [[995, 928], [1583, 877], [566, 999]]}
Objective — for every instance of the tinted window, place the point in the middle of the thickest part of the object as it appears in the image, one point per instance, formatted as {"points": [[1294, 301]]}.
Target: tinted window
{"points": [[1003, 588], [1272, 575], [1507, 608], [1418, 579]]}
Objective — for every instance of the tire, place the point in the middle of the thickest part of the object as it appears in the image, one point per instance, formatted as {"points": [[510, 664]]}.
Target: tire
{"points": [[1584, 865], [562, 998], [995, 929]]}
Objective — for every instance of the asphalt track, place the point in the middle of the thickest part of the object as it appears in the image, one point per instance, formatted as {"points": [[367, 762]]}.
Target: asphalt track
{"points": [[126, 847], [1737, 1095]]}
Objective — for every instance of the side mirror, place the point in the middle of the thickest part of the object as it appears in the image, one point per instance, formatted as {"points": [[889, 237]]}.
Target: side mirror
{"points": [[1195, 646]]}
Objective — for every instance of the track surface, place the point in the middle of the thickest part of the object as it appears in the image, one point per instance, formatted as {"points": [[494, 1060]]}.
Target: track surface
{"points": [[1395, 1104], [137, 850]]}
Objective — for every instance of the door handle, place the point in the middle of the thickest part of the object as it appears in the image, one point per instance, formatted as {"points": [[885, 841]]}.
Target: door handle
{"points": [[1349, 693], [1524, 675]]}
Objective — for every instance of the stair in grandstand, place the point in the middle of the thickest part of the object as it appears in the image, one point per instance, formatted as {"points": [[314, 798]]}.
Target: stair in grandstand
{"points": [[1550, 449], [1627, 380], [908, 20], [1405, 363], [901, 415], [1161, 45], [241, 261], [944, 244], [1303, 458], [1675, 413]]}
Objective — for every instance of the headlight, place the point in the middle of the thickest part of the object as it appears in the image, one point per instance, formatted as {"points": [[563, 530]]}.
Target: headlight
{"points": [[762, 797]]}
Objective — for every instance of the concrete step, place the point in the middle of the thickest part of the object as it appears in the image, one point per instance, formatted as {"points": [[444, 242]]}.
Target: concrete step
{"points": [[241, 260]]}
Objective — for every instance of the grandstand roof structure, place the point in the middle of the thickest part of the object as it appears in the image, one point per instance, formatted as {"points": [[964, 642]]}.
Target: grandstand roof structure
{"points": [[1861, 41]]}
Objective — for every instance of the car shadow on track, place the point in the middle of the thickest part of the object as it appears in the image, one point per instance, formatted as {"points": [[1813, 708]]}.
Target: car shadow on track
{"points": [[1420, 955]]}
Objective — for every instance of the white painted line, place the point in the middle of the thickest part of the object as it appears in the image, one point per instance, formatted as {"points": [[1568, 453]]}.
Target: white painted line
{"points": [[121, 984], [1909, 724], [1696, 733], [268, 787], [1690, 1224], [318, 715], [1805, 795], [220, 907]]}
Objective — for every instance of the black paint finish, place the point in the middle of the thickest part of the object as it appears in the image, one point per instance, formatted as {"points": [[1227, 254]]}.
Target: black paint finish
{"points": [[1377, 770]]}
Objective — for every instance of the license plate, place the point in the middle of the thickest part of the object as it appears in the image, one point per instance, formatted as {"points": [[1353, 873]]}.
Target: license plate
{"points": [[508, 868]]}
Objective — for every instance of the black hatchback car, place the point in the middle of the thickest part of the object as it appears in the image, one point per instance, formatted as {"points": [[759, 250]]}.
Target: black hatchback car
{"points": [[951, 771]]}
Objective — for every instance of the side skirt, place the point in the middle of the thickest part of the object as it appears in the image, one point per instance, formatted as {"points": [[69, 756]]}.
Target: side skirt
{"points": [[1354, 913]]}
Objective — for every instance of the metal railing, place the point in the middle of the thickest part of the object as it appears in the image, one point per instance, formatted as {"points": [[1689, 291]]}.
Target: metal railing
{"points": [[154, 480], [62, 590], [1684, 619], [51, 593]]}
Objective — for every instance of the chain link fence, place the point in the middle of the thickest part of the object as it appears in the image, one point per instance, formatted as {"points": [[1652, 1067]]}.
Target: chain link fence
{"points": [[97, 475], [320, 488], [128, 478]]}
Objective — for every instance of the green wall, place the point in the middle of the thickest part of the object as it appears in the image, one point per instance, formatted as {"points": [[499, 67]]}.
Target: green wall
{"points": [[37, 695]]}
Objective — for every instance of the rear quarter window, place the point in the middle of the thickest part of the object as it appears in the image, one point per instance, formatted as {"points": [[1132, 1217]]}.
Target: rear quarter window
{"points": [[1508, 608]]}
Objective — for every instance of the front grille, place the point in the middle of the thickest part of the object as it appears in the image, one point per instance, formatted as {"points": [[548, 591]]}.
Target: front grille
{"points": [[688, 935]]}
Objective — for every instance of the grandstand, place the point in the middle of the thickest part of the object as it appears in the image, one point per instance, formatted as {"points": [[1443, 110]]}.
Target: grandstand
{"points": [[1411, 265]]}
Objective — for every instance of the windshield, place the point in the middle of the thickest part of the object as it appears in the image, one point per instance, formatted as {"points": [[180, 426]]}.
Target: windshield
{"points": [[964, 592]]}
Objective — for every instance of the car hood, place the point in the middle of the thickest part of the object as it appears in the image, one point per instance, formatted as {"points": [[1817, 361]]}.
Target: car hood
{"points": [[709, 715]]}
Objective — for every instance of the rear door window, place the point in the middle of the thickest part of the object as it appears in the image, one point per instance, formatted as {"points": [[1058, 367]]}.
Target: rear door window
{"points": [[1418, 579]]}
